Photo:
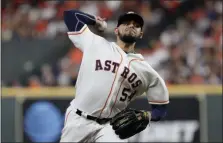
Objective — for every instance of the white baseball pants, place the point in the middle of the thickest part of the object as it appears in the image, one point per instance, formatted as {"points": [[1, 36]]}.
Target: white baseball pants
{"points": [[79, 129]]}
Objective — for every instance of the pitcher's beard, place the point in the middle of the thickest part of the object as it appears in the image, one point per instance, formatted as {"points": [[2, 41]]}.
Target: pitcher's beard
{"points": [[128, 39]]}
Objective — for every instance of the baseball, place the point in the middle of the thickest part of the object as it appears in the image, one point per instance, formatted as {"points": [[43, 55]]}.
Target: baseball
{"points": [[103, 26]]}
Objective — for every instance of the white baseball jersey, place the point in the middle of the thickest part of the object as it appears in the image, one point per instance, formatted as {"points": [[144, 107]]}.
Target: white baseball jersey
{"points": [[109, 78]]}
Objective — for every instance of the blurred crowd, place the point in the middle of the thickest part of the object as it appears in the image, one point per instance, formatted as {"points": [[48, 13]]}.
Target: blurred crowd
{"points": [[186, 52], [191, 50]]}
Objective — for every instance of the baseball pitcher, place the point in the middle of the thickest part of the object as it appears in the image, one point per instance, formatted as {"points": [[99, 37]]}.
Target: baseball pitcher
{"points": [[111, 75]]}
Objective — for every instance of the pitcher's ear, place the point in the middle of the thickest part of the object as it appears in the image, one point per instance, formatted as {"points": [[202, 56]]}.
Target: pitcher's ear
{"points": [[116, 31], [141, 35]]}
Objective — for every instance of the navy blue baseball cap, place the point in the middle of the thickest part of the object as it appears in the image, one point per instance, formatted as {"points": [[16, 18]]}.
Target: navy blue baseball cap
{"points": [[130, 16]]}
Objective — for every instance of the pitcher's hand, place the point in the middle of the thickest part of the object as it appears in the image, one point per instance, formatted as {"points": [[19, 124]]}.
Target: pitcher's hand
{"points": [[101, 24]]}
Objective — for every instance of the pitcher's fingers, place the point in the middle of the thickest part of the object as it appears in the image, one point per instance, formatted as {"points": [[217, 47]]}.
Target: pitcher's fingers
{"points": [[101, 19]]}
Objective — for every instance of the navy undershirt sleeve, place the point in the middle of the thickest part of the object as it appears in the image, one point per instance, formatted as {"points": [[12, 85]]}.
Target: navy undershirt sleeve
{"points": [[158, 112], [75, 20]]}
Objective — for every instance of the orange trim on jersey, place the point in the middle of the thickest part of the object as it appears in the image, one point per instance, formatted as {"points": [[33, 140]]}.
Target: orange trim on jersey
{"points": [[121, 85], [66, 119], [158, 101], [112, 85], [77, 33]]}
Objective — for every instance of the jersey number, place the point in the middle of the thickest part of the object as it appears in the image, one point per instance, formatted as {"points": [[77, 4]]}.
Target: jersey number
{"points": [[126, 95]]}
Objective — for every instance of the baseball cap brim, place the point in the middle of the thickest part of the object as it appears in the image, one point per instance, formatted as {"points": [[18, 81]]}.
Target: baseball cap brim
{"points": [[130, 16]]}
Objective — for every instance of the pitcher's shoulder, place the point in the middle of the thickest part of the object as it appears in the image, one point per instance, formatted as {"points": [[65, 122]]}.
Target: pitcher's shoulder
{"points": [[147, 67], [143, 62]]}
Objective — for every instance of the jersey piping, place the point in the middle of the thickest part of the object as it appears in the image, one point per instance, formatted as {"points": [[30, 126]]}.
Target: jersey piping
{"points": [[121, 85], [112, 85]]}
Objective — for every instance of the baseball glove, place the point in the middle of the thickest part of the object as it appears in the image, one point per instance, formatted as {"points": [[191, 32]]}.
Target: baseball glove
{"points": [[129, 122]]}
